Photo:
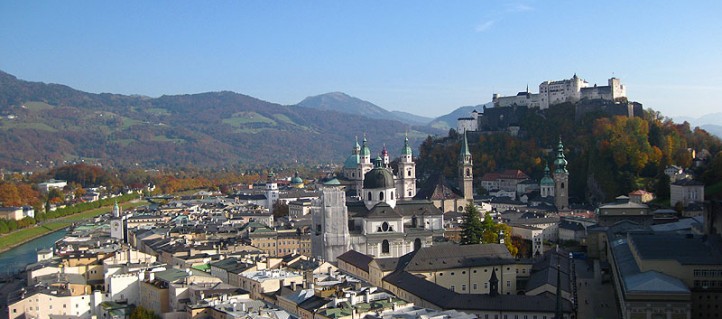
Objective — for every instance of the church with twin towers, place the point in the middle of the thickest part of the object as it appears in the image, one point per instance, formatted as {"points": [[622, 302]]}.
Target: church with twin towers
{"points": [[378, 211]]}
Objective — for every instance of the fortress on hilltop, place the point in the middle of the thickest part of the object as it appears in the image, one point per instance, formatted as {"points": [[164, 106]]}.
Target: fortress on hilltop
{"points": [[571, 90], [509, 110]]}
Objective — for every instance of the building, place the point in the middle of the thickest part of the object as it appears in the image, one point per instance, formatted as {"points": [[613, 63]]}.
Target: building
{"points": [[51, 184], [16, 213], [623, 209], [506, 180], [385, 219], [686, 191], [556, 92], [359, 163], [561, 179]]}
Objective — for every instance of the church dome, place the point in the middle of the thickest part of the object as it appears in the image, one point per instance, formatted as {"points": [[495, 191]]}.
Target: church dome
{"points": [[296, 180], [352, 161], [378, 178], [547, 180]]}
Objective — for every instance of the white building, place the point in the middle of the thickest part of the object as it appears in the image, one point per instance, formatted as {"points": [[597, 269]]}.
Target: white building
{"points": [[50, 184], [686, 191], [555, 92]]}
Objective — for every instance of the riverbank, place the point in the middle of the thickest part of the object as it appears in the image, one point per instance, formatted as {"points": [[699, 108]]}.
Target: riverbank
{"points": [[24, 235]]}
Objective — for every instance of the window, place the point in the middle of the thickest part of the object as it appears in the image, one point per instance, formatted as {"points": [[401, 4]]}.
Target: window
{"points": [[508, 284], [392, 195], [453, 288], [385, 226], [463, 287], [385, 249], [381, 195], [474, 286], [369, 196]]}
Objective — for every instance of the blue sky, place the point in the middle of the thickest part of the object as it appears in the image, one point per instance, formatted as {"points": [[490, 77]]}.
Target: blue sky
{"points": [[423, 57]]}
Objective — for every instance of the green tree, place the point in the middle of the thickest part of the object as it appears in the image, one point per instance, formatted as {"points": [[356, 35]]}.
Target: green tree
{"points": [[661, 189], [472, 229], [142, 313]]}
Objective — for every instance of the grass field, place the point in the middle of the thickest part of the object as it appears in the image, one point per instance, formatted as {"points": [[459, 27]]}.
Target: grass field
{"points": [[23, 235]]}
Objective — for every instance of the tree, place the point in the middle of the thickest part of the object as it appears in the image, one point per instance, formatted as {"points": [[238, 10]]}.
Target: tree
{"points": [[141, 312], [9, 195], [472, 229], [280, 209]]}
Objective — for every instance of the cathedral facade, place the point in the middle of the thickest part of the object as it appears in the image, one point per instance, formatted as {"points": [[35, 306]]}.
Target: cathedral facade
{"points": [[381, 218]]}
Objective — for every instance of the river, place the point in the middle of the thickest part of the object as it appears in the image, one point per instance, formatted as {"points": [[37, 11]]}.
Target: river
{"points": [[15, 260]]}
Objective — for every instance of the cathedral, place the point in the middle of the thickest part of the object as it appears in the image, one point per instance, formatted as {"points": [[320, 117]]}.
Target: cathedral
{"points": [[380, 218]]}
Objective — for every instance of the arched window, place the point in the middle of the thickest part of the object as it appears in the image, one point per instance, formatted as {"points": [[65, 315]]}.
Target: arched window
{"points": [[392, 194], [408, 173], [468, 172], [369, 196], [385, 249], [417, 244], [562, 185], [381, 195], [409, 193]]}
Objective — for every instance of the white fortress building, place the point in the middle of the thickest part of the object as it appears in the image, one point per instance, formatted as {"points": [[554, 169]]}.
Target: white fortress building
{"points": [[555, 92]]}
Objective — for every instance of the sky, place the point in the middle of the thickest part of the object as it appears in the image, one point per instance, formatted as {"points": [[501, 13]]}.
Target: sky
{"points": [[422, 57]]}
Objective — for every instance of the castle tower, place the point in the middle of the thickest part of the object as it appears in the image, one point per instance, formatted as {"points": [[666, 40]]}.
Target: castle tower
{"points": [[466, 177], [271, 190], [561, 179], [406, 187]]}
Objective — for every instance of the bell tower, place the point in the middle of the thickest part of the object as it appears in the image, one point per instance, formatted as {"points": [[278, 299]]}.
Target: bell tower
{"points": [[561, 179], [466, 177]]}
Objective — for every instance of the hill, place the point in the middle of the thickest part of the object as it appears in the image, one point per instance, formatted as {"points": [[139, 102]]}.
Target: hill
{"points": [[448, 121], [608, 155], [43, 125], [342, 102]]}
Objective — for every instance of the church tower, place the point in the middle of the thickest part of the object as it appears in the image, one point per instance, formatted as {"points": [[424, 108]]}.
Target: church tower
{"points": [[561, 179], [271, 191], [466, 177], [406, 188], [364, 165]]}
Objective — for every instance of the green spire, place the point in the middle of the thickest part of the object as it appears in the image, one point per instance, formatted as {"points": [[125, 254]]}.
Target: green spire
{"points": [[560, 163], [464, 148], [365, 151], [407, 149]]}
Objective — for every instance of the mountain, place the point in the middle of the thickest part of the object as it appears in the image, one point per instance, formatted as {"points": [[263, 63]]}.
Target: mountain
{"points": [[448, 121], [711, 123], [409, 118], [42, 125], [342, 102]]}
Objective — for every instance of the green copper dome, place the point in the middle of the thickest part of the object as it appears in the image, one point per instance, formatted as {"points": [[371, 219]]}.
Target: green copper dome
{"points": [[352, 161], [365, 149], [547, 180]]}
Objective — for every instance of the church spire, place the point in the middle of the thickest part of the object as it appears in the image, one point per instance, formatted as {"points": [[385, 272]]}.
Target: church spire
{"points": [[493, 284], [407, 148], [560, 164], [464, 153]]}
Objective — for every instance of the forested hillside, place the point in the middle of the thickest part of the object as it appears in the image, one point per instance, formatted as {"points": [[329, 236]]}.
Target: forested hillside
{"points": [[45, 125], [608, 156]]}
